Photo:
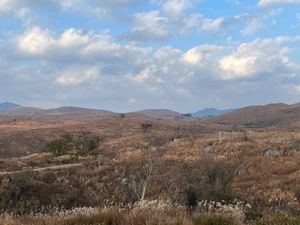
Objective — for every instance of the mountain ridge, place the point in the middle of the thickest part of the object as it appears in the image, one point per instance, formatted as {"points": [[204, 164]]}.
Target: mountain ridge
{"points": [[8, 106], [278, 114], [209, 112]]}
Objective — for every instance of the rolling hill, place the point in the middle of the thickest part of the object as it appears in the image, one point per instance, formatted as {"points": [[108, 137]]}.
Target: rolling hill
{"points": [[262, 116], [160, 113], [60, 113]]}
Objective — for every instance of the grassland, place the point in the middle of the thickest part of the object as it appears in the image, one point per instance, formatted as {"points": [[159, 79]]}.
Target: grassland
{"points": [[182, 165]]}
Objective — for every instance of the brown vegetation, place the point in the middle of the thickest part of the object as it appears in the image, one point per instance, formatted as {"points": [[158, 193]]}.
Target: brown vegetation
{"points": [[119, 161]]}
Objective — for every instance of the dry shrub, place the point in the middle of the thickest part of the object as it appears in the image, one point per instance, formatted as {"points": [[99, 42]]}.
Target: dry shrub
{"points": [[107, 217], [279, 220], [213, 219]]}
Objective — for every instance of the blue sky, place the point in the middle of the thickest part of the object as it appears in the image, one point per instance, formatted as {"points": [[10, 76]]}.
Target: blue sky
{"points": [[125, 55]]}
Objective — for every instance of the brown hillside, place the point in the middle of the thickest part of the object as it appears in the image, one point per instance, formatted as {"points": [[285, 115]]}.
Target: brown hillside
{"points": [[160, 113], [262, 116]]}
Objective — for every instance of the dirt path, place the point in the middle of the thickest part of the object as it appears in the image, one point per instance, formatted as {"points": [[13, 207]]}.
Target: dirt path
{"points": [[57, 167]]}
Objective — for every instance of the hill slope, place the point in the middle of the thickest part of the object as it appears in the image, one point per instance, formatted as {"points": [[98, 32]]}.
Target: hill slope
{"points": [[160, 113], [61, 113], [262, 116]]}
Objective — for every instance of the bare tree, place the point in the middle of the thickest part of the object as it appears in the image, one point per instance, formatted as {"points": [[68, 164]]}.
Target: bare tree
{"points": [[153, 149], [148, 172]]}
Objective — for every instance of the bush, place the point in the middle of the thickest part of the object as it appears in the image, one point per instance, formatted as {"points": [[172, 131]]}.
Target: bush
{"points": [[83, 143], [279, 220], [217, 185], [212, 219], [86, 143], [59, 146], [253, 214]]}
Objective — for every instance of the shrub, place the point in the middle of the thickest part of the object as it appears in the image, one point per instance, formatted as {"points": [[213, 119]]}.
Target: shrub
{"points": [[83, 143], [253, 214], [86, 143], [279, 220], [217, 185], [212, 219], [59, 146], [146, 127]]}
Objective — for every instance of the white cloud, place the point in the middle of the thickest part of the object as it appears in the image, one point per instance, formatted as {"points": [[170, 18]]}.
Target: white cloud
{"points": [[72, 46], [200, 54], [15, 5], [222, 24], [75, 76], [154, 74], [214, 25], [253, 27], [259, 22], [269, 2], [176, 8], [236, 67], [104, 9], [260, 57], [35, 41], [149, 26]]}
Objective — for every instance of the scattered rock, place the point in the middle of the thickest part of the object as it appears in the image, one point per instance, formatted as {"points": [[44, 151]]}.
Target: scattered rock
{"points": [[273, 152], [208, 148]]}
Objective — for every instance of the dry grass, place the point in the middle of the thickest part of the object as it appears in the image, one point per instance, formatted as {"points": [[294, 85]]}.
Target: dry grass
{"points": [[107, 217], [108, 178]]}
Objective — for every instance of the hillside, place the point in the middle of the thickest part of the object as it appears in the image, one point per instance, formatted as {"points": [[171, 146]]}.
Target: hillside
{"points": [[21, 112], [160, 113], [76, 111], [262, 116], [57, 113]]}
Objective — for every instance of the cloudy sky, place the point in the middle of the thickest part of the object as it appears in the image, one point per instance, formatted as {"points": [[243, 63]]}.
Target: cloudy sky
{"points": [[124, 55]]}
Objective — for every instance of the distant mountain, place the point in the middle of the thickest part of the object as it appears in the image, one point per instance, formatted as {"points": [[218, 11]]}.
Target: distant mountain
{"points": [[8, 105], [262, 116], [211, 112]]}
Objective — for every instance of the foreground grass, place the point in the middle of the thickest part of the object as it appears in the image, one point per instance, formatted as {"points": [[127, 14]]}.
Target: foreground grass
{"points": [[115, 217]]}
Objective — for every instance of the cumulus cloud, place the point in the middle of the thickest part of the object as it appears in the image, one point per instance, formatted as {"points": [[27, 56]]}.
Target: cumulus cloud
{"points": [[75, 76], [72, 46], [97, 64], [190, 64], [148, 26], [14, 5], [259, 57], [32, 10], [222, 24], [176, 8], [199, 55], [269, 2]]}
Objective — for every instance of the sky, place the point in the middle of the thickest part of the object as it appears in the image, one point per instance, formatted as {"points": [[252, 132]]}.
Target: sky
{"points": [[126, 55]]}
